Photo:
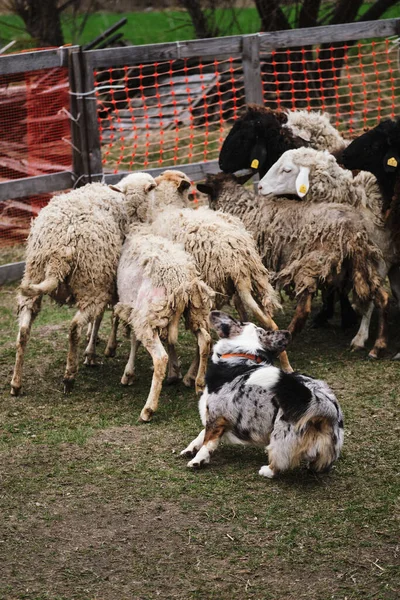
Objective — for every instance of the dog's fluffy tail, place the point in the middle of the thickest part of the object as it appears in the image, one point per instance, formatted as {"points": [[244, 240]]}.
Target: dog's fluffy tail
{"points": [[315, 417]]}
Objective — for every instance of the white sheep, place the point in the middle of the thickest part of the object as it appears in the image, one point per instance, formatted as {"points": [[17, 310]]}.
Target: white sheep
{"points": [[224, 252], [157, 284], [315, 128], [72, 255]]}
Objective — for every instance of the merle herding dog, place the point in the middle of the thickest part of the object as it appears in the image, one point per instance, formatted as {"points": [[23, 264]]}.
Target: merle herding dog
{"points": [[249, 401]]}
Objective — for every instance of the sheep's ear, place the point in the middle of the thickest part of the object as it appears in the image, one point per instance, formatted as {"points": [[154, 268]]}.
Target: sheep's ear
{"points": [[183, 185], [302, 181], [225, 325], [204, 188], [258, 155], [244, 178], [301, 133], [391, 162], [116, 189], [150, 186]]}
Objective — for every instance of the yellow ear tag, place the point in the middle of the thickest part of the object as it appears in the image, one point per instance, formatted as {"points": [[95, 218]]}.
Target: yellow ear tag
{"points": [[392, 162], [254, 163], [303, 188]]}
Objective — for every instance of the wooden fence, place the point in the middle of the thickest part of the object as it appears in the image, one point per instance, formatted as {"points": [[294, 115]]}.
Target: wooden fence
{"points": [[86, 147]]}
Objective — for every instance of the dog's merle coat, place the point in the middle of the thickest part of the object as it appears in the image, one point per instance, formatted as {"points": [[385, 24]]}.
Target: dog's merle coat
{"points": [[249, 401]]}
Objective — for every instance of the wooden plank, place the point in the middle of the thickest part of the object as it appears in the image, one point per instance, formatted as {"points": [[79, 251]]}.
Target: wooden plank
{"points": [[329, 33], [196, 171], [42, 184], [11, 272], [252, 70], [129, 55], [34, 61], [231, 45]]}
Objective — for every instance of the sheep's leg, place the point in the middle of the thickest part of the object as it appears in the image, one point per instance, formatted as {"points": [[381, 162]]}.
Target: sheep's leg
{"points": [[300, 316], [328, 308], [213, 434], [204, 347], [394, 279], [238, 304], [160, 359], [190, 377], [129, 373], [174, 368], [90, 352], [112, 338], [75, 333], [358, 341], [348, 315], [381, 302], [27, 315]]}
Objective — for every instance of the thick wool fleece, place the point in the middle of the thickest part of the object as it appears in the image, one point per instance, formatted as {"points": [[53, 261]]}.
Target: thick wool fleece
{"points": [[156, 280], [316, 128], [306, 245], [77, 239], [224, 252]]}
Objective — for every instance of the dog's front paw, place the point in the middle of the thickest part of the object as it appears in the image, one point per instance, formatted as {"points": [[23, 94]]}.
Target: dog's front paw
{"points": [[197, 463], [266, 471]]}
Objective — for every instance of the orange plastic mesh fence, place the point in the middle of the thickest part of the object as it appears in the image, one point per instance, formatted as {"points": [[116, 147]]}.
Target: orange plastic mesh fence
{"points": [[178, 111], [167, 113], [35, 139]]}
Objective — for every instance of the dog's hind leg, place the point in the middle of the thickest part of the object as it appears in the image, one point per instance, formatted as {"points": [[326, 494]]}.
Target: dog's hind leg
{"points": [[212, 437], [195, 445]]}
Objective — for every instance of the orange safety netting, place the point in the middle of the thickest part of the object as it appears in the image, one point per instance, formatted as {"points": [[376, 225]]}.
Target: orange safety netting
{"points": [[178, 111], [35, 139]]}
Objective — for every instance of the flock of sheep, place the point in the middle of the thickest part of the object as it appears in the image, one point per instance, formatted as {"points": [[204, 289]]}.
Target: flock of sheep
{"points": [[142, 249]]}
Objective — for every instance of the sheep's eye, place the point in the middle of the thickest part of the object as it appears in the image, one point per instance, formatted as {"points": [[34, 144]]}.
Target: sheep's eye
{"points": [[286, 170]]}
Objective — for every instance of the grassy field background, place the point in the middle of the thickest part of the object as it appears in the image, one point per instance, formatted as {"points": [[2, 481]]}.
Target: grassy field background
{"points": [[151, 26], [97, 506]]}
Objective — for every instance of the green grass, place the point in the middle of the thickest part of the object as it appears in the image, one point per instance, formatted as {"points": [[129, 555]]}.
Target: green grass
{"points": [[149, 27], [97, 506]]}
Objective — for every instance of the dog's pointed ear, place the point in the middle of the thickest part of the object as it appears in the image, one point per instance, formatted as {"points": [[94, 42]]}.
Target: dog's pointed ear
{"points": [[225, 325]]}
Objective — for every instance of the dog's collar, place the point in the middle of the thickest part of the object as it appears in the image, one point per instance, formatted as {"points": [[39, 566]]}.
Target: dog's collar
{"points": [[254, 357]]}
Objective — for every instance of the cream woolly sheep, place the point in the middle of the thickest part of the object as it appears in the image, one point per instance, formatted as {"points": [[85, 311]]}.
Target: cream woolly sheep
{"points": [[308, 246], [72, 255], [315, 127], [157, 284], [224, 252]]}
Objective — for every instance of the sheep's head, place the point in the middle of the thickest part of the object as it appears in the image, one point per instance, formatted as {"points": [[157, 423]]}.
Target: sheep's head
{"points": [[376, 151], [256, 141], [214, 185], [173, 189], [298, 171], [138, 189]]}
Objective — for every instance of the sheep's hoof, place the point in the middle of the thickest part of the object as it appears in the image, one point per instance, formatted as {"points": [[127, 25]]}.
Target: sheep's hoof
{"points": [[145, 415], [396, 356], [90, 361], [356, 348], [188, 381], [110, 352], [127, 379], [68, 385], [172, 379], [199, 387], [15, 391]]}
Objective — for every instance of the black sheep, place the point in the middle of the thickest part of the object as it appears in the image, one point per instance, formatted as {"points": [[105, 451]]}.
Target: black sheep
{"points": [[378, 151], [257, 140]]}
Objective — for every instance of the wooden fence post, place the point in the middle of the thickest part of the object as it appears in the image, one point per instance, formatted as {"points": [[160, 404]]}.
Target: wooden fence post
{"points": [[251, 69], [86, 138]]}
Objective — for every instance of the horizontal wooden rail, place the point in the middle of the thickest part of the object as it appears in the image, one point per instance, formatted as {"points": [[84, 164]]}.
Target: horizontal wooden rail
{"points": [[11, 272], [40, 184], [233, 45], [196, 171], [35, 60]]}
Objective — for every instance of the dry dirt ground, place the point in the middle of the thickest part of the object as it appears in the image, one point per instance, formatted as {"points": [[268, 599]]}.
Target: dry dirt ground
{"points": [[95, 506]]}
